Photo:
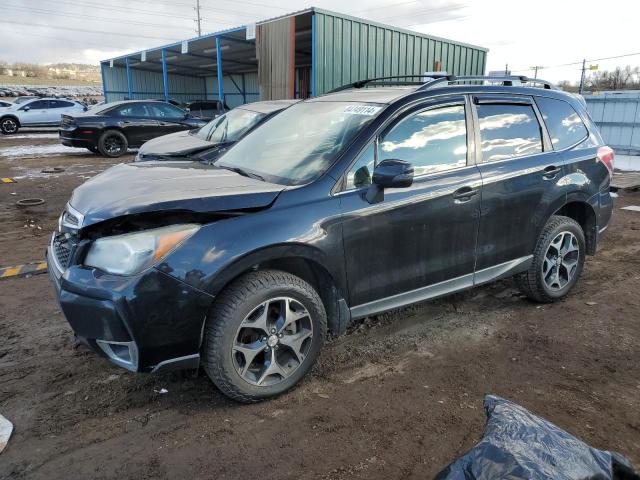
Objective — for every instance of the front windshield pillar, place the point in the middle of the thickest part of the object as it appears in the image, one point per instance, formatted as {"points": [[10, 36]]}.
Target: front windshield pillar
{"points": [[219, 71]]}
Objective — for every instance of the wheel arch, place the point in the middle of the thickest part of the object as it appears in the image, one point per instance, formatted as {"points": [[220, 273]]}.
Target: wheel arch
{"points": [[301, 260], [579, 209]]}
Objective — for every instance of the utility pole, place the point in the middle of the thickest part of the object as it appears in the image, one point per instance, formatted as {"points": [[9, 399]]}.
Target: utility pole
{"points": [[584, 67], [535, 71], [506, 69], [198, 19]]}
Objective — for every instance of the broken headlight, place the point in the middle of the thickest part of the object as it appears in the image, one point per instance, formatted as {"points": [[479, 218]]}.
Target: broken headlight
{"points": [[133, 252]]}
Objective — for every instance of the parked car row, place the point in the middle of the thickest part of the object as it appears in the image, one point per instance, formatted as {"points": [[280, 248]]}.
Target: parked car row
{"points": [[53, 91], [336, 208]]}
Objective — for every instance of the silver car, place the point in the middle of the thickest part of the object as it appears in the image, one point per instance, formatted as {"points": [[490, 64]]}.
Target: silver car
{"points": [[37, 112]]}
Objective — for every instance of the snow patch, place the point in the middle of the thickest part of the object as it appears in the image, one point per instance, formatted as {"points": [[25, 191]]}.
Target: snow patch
{"points": [[627, 163], [35, 135], [27, 151]]}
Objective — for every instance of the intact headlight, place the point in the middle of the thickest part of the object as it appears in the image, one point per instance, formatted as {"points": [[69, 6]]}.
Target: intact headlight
{"points": [[133, 252]]}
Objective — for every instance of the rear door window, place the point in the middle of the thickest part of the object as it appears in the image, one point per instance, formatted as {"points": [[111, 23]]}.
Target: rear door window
{"points": [[563, 123], [508, 131], [130, 110], [59, 104], [165, 110]]}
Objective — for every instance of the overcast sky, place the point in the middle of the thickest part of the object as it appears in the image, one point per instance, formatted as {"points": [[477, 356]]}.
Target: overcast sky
{"points": [[522, 34]]}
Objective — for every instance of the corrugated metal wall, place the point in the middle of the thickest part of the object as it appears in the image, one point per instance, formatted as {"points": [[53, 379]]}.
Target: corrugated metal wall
{"points": [[149, 85], [233, 91], [617, 115], [348, 49]]}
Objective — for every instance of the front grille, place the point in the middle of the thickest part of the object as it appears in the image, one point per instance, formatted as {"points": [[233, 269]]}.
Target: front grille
{"points": [[62, 247]]}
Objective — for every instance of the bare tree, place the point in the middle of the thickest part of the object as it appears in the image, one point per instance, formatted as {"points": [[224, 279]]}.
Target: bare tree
{"points": [[622, 78]]}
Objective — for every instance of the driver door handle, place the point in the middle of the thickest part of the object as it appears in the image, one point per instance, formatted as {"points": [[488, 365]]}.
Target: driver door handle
{"points": [[550, 172], [464, 194]]}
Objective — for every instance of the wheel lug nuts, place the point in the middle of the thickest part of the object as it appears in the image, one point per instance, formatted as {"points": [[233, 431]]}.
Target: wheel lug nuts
{"points": [[279, 335], [273, 330]]}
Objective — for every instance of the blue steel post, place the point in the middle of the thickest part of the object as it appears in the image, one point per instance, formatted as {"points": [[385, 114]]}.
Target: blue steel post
{"points": [[129, 79], [219, 70], [165, 79], [244, 90], [313, 55], [104, 83]]}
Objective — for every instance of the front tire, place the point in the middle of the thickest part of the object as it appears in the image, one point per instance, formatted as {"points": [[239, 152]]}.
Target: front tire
{"points": [[93, 149], [263, 334], [9, 126], [557, 261], [112, 143]]}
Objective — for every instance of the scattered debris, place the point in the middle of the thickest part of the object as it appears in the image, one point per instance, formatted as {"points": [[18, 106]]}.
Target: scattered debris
{"points": [[7, 180], [614, 194], [591, 304], [633, 208], [162, 391], [6, 427], [516, 440], [52, 170], [30, 202]]}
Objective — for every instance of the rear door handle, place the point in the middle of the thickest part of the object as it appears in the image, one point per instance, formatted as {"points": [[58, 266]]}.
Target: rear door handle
{"points": [[464, 194], [550, 172]]}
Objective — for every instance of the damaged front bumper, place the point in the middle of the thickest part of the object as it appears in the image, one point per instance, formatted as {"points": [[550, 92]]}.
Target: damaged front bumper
{"points": [[146, 322]]}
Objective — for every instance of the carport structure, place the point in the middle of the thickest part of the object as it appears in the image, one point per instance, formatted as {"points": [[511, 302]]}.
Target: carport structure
{"points": [[299, 55]]}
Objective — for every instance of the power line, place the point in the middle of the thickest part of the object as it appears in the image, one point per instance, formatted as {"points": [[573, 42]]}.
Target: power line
{"points": [[570, 64], [123, 9], [12, 22], [75, 15]]}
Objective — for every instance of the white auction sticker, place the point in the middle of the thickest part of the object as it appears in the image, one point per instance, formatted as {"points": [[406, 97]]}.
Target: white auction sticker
{"points": [[362, 110]]}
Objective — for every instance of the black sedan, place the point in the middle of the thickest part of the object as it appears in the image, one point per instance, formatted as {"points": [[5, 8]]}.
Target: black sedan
{"points": [[112, 128], [216, 137]]}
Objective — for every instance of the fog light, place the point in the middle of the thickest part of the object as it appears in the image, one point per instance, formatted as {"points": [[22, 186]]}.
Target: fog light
{"points": [[123, 354]]}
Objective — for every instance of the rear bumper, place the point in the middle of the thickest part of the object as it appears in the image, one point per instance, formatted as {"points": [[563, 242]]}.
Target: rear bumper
{"points": [[142, 323], [70, 139]]}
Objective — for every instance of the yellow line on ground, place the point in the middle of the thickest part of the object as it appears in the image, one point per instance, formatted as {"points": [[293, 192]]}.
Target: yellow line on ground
{"points": [[11, 271], [41, 266], [8, 180]]}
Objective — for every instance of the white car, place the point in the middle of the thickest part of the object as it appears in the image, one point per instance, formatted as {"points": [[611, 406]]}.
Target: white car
{"points": [[38, 112], [4, 104]]}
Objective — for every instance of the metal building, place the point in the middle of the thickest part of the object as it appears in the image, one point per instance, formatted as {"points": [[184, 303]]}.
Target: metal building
{"points": [[617, 114], [303, 54]]}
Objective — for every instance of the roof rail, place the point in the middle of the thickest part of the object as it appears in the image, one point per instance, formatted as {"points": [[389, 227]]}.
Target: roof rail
{"points": [[507, 80], [427, 81], [384, 80]]}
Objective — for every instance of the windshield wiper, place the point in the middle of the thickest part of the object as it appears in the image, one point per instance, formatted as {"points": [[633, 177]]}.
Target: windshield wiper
{"points": [[242, 172]]}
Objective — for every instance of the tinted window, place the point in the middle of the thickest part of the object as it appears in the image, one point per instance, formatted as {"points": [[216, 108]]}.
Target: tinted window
{"points": [[130, 110], [231, 126], [563, 123], [59, 104], [432, 140], [38, 104], [165, 110], [508, 131]]}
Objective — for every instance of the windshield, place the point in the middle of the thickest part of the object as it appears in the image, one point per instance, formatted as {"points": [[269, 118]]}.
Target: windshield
{"points": [[299, 144], [20, 100], [229, 127]]}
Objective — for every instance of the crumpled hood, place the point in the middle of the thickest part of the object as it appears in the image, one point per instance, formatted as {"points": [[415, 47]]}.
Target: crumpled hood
{"points": [[174, 144], [134, 188]]}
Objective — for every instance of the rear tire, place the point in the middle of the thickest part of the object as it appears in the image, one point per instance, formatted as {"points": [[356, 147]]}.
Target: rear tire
{"points": [[262, 335], [9, 125], [112, 143], [558, 260]]}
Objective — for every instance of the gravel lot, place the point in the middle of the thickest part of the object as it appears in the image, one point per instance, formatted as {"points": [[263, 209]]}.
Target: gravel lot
{"points": [[399, 396]]}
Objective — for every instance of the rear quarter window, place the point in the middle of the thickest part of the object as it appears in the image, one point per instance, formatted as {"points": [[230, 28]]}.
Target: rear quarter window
{"points": [[564, 125]]}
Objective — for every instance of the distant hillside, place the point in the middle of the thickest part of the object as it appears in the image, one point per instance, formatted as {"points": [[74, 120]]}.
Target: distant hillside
{"points": [[49, 74]]}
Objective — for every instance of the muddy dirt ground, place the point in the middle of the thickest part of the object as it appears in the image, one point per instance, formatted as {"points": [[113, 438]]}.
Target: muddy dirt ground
{"points": [[399, 396]]}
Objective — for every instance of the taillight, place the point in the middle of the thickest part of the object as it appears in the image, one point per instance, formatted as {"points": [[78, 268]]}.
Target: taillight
{"points": [[606, 156]]}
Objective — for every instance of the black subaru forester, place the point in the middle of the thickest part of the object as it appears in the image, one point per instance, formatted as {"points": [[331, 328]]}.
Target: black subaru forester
{"points": [[341, 207]]}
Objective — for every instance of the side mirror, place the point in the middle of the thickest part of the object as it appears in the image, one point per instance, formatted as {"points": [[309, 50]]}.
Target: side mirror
{"points": [[26, 109], [391, 173]]}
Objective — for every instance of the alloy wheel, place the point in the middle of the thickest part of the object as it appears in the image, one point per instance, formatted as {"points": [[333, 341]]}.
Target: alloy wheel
{"points": [[113, 145], [9, 125], [272, 341], [561, 261]]}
